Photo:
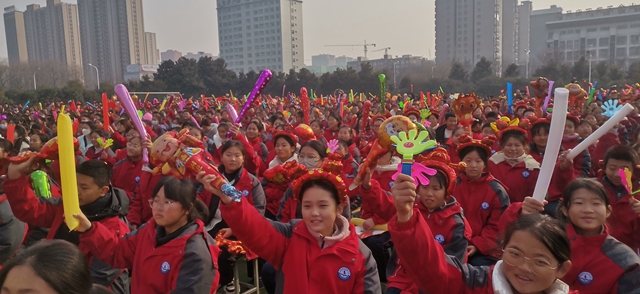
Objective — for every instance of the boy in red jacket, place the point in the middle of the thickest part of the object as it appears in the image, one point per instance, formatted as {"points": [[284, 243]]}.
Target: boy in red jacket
{"points": [[624, 221], [98, 200]]}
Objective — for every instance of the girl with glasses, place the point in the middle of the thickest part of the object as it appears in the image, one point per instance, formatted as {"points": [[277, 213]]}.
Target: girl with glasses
{"points": [[536, 253], [601, 264], [169, 253]]}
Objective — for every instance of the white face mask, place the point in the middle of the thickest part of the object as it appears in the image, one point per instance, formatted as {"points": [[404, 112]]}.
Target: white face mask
{"points": [[86, 132]]}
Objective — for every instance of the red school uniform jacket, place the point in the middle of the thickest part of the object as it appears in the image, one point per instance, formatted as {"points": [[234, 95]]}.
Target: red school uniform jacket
{"points": [[452, 233], [582, 162], [355, 153], [444, 273], [261, 151], [382, 176], [520, 179], [126, 175], [140, 211], [185, 264], [453, 153], [624, 224], [601, 264], [330, 134], [304, 266], [482, 201], [50, 214]]}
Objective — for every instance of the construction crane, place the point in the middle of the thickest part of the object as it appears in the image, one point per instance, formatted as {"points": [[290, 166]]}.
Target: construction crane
{"points": [[386, 50], [365, 45]]}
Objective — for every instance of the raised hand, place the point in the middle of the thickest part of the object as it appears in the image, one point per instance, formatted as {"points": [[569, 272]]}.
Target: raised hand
{"points": [[611, 107]]}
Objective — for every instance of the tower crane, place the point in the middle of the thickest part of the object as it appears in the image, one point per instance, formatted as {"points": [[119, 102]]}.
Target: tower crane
{"points": [[386, 50], [365, 45]]}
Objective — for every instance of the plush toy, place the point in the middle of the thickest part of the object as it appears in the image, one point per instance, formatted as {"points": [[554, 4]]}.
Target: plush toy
{"points": [[576, 97], [540, 91], [182, 155], [463, 107]]}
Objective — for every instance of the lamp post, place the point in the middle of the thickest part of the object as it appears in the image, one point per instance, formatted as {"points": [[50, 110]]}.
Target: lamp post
{"points": [[35, 86], [590, 58], [432, 71], [97, 74], [527, 51], [394, 74]]}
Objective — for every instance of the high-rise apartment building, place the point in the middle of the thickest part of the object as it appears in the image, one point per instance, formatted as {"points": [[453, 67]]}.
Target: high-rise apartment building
{"points": [[15, 33], [467, 30], [261, 34], [524, 29], [510, 31], [538, 34], [151, 47], [113, 36], [53, 33]]}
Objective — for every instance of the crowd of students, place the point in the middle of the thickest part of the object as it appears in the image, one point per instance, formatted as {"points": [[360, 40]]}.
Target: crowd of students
{"points": [[473, 227]]}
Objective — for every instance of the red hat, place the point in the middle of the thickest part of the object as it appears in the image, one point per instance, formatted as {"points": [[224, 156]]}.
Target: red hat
{"points": [[304, 132], [537, 121], [467, 141], [504, 124], [439, 159], [329, 171], [413, 111], [285, 134]]}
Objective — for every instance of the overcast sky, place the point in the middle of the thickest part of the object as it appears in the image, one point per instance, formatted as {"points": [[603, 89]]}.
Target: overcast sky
{"points": [[407, 26]]}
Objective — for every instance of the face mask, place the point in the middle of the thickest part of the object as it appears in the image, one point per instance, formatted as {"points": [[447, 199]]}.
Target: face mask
{"points": [[155, 123], [86, 132], [308, 162], [173, 126], [3, 126]]}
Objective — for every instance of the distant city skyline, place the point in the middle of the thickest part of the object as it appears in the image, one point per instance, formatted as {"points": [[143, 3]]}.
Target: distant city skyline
{"points": [[407, 26]]}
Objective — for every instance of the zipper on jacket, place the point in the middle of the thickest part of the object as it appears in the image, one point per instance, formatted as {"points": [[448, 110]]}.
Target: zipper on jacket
{"points": [[322, 245]]}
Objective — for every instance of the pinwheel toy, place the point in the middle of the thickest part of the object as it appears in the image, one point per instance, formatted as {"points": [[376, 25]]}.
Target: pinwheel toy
{"points": [[625, 176]]}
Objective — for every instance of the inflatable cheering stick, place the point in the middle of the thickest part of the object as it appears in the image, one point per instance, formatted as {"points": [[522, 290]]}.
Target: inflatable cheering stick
{"points": [[182, 155], [49, 151]]}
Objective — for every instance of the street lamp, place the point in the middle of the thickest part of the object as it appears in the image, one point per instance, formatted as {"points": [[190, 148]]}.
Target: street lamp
{"points": [[527, 51], [97, 74], [432, 71], [394, 74], [35, 87], [590, 58]]}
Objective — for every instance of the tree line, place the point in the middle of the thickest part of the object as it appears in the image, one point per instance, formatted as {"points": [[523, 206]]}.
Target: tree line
{"points": [[212, 77]]}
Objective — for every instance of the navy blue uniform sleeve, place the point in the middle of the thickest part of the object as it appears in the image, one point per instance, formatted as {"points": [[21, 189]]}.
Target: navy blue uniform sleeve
{"points": [[197, 271]]}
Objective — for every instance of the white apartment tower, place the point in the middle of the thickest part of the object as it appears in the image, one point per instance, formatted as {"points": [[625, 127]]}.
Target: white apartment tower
{"points": [[467, 30], [261, 34], [510, 31], [113, 37]]}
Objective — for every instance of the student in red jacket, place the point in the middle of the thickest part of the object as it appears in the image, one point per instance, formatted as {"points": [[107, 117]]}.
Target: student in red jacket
{"points": [[571, 139], [321, 253], [140, 211], [452, 147], [624, 221], [233, 154], [536, 253], [334, 122], [517, 170], [316, 126], [98, 199], [349, 164], [442, 213], [600, 263], [170, 253], [482, 198], [126, 172], [286, 152], [346, 134], [254, 129]]}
